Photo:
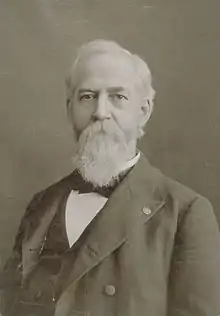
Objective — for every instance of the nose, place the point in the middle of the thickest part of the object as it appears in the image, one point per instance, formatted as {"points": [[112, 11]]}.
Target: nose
{"points": [[102, 111]]}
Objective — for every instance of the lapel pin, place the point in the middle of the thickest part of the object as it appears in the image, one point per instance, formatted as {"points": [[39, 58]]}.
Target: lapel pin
{"points": [[147, 211]]}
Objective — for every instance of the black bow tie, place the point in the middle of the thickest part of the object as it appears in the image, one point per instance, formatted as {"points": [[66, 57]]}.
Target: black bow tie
{"points": [[87, 187]]}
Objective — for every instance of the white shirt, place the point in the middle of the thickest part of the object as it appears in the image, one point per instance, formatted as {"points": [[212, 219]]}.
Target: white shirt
{"points": [[82, 208]]}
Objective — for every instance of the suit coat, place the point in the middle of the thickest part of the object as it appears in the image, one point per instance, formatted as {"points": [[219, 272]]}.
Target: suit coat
{"points": [[153, 250]]}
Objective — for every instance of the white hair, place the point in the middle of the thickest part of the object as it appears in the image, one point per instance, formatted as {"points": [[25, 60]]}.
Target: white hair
{"points": [[101, 46]]}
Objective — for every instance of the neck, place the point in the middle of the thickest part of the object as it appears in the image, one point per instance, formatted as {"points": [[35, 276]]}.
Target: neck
{"points": [[132, 150]]}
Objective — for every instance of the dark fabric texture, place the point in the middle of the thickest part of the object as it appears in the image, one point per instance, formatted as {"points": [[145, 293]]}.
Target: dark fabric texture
{"points": [[154, 249]]}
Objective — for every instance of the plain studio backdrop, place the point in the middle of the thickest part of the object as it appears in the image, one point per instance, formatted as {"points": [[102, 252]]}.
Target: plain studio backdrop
{"points": [[180, 40]]}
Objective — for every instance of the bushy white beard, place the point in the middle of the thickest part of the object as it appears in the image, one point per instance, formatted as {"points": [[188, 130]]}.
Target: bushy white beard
{"points": [[102, 152]]}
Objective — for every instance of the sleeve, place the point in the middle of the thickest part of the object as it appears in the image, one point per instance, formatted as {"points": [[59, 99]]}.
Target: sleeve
{"points": [[194, 280], [10, 276]]}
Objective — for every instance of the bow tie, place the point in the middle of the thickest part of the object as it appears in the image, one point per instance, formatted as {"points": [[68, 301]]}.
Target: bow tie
{"points": [[87, 187]]}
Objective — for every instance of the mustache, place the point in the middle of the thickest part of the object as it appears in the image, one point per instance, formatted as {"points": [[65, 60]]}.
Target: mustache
{"points": [[98, 132], [106, 128], [101, 127]]}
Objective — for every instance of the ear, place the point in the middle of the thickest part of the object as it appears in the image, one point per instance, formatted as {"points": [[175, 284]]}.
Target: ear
{"points": [[146, 111], [69, 109]]}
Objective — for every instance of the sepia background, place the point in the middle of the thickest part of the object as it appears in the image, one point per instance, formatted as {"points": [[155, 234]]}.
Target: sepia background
{"points": [[179, 39]]}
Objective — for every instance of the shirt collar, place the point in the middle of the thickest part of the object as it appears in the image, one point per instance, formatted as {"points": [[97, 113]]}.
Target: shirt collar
{"points": [[130, 163], [83, 186]]}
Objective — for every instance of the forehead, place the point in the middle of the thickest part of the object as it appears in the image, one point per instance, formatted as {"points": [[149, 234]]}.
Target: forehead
{"points": [[106, 70]]}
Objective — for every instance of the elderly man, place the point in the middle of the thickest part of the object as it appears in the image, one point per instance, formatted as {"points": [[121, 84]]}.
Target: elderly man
{"points": [[115, 237]]}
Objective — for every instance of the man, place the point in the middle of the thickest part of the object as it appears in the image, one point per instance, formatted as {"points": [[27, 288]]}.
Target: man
{"points": [[116, 237]]}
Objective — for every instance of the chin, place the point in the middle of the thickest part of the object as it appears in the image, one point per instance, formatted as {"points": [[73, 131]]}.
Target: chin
{"points": [[98, 176], [100, 159], [102, 151]]}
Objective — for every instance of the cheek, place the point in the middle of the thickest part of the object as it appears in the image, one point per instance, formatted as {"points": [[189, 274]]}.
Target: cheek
{"points": [[81, 116], [127, 122]]}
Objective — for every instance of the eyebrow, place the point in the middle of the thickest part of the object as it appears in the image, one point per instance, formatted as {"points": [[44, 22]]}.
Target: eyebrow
{"points": [[110, 89], [86, 90]]}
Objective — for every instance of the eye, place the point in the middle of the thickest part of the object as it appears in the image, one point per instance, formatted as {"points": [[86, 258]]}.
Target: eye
{"points": [[119, 97], [86, 97]]}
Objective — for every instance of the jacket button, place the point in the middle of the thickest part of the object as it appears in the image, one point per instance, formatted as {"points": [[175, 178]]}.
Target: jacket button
{"points": [[110, 290], [147, 211]]}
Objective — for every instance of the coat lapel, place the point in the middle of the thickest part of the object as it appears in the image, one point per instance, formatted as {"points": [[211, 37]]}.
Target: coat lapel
{"points": [[39, 223], [31, 248], [115, 222]]}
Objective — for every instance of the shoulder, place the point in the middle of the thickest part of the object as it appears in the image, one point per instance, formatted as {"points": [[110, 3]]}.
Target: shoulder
{"points": [[179, 198], [186, 202], [45, 196], [191, 214], [184, 195], [178, 191], [169, 189]]}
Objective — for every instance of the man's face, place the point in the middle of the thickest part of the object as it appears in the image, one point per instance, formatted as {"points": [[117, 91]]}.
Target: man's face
{"points": [[105, 110]]}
